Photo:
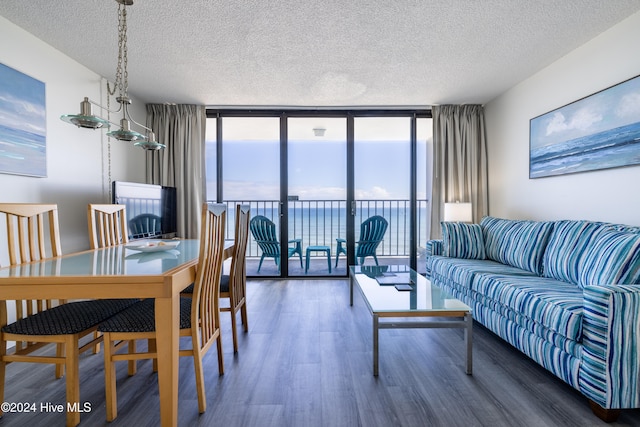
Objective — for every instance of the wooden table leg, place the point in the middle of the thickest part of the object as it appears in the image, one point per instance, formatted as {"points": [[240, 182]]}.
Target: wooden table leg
{"points": [[168, 335], [72, 381]]}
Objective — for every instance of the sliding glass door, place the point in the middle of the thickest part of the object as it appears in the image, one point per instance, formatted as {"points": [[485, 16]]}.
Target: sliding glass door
{"points": [[383, 188], [317, 191], [316, 177], [251, 175]]}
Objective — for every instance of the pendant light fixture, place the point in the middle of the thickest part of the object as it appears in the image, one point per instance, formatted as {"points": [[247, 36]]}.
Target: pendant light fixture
{"points": [[86, 119]]}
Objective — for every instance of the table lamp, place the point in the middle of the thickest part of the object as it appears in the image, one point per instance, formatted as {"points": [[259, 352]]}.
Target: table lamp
{"points": [[458, 212]]}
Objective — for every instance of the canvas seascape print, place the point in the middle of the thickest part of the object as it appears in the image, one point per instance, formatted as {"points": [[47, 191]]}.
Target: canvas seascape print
{"points": [[22, 124], [600, 131]]}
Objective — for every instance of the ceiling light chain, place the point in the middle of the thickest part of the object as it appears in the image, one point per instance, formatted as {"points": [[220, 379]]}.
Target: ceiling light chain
{"points": [[87, 120], [122, 75]]}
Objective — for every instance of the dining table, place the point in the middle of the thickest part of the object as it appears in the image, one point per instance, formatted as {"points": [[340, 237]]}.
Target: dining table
{"points": [[118, 272]]}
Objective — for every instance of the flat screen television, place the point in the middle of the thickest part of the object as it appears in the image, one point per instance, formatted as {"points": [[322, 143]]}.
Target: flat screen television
{"points": [[151, 209]]}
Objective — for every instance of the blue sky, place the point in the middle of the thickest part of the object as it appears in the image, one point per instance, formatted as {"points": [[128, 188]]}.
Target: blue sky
{"points": [[608, 109], [317, 166]]}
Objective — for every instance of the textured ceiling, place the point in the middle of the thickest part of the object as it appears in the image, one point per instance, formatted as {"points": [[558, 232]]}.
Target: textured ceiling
{"points": [[320, 53]]}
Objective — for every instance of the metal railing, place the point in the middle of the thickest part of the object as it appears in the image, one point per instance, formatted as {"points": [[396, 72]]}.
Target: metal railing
{"points": [[321, 222]]}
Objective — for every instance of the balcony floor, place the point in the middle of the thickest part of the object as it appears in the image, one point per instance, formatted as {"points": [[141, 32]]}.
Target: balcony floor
{"points": [[318, 266]]}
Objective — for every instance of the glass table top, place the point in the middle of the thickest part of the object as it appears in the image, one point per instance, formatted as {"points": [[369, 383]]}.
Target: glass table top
{"points": [[113, 261], [399, 289]]}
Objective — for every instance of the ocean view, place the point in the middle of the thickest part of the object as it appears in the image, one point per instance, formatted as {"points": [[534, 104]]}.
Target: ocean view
{"points": [[322, 222]]}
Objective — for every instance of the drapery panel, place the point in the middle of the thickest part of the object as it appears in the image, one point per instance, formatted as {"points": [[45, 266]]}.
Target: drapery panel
{"points": [[459, 161], [182, 163]]}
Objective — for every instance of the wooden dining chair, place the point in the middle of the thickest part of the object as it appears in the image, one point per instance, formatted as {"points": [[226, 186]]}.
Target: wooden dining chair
{"points": [[234, 285], [107, 225], [33, 234], [199, 316]]}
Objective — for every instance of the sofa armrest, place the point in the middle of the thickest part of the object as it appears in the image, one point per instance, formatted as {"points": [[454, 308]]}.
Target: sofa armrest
{"points": [[433, 247], [610, 369]]}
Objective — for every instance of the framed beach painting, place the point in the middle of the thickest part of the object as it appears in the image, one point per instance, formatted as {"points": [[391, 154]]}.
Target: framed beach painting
{"points": [[23, 143], [600, 131]]}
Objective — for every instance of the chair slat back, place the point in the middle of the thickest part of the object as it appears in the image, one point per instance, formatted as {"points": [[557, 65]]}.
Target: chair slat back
{"points": [[264, 233], [371, 234], [107, 225], [32, 234], [206, 290], [27, 239], [238, 269]]}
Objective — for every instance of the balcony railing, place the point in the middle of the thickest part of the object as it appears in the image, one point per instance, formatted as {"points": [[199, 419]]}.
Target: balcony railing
{"points": [[321, 222]]}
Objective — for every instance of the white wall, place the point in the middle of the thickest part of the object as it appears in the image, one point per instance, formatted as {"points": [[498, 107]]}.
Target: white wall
{"points": [[77, 160], [606, 195]]}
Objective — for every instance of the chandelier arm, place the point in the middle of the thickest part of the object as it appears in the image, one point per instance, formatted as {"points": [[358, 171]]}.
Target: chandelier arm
{"points": [[128, 115], [106, 108]]}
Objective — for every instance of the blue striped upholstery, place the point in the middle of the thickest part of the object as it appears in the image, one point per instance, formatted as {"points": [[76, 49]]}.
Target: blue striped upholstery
{"points": [[549, 302], [462, 271], [564, 365], [610, 373], [588, 336], [612, 257], [517, 243], [461, 240], [566, 245], [433, 247]]}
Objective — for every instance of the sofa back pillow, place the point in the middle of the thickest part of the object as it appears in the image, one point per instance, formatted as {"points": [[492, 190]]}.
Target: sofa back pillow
{"points": [[516, 243], [612, 257], [567, 244], [461, 240]]}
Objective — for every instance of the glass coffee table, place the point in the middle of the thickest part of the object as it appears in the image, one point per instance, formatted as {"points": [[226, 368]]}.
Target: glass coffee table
{"points": [[398, 292]]}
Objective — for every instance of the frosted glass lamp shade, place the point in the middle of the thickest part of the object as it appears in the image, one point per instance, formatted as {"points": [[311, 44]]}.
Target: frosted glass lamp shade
{"points": [[457, 212]]}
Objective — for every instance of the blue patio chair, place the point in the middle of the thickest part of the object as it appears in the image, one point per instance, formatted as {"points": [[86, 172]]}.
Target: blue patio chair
{"points": [[264, 233], [371, 234], [145, 225]]}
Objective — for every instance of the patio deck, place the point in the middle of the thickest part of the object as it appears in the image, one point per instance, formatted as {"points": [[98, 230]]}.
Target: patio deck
{"points": [[318, 266]]}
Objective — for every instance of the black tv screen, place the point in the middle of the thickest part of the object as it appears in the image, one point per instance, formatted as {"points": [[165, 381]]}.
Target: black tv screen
{"points": [[151, 209]]}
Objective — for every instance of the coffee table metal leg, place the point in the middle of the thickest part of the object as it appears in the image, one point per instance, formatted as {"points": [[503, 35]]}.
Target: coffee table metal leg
{"points": [[350, 290], [468, 337], [375, 344]]}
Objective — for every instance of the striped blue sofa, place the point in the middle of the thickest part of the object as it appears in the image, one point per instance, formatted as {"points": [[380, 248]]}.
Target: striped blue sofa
{"points": [[565, 293]]}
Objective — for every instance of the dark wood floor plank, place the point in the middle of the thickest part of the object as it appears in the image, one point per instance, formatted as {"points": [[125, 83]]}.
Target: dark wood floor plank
{"points": [[307, 361]]}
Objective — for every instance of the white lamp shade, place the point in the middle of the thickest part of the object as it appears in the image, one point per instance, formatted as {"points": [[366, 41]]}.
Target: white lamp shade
{"points": [[457, 212]]}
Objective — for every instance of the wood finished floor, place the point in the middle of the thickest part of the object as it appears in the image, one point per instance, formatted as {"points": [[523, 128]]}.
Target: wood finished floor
{"points": [[306, 361]]}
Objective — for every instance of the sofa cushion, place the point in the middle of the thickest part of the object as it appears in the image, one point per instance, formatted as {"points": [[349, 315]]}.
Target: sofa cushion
{"points": [[567, 243], [612, 257], [554, 304], [461, 240], [462, 271], [517, 243]]}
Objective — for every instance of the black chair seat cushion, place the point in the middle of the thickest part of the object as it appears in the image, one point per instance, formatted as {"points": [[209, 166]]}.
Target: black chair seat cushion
{"points": [[224, 285], [70, 318], [140, 317]]}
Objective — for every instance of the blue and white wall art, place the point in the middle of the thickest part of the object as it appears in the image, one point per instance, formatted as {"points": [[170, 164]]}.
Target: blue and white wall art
{"points": [[600, 131], [23, 130]]}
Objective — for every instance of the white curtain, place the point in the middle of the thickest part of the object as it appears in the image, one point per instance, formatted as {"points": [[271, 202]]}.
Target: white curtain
{"points": [[459, 161], [181, 164]]}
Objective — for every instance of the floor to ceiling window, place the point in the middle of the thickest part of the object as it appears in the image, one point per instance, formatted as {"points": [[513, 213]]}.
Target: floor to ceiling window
{"points": [[317, 175]]}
